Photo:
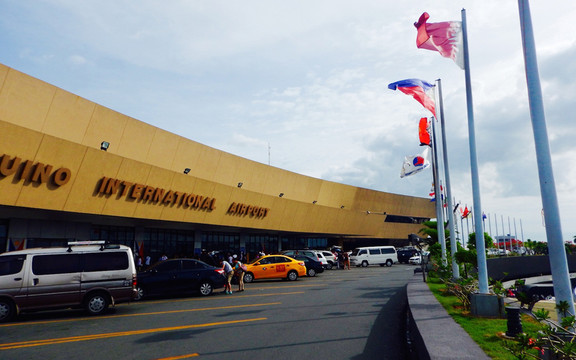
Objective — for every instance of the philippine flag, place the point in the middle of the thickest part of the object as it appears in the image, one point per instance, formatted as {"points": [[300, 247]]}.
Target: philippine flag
{"points": [[444, 37], [418, 89]]}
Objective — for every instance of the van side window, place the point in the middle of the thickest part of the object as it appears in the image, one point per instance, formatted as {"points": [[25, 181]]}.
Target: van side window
{"points": [[106, 261], [11, 264], [56, 264], [374, 251], [387, 251], [362, 252]]}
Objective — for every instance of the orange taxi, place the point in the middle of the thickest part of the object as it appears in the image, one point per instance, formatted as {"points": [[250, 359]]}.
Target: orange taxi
{"points": [[274, 267]]}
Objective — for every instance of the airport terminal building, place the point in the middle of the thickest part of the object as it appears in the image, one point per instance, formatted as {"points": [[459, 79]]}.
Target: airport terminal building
{"points": [[72, 170]]}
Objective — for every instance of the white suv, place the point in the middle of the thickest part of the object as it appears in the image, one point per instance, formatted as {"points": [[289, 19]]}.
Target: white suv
{"points": [[330, 258], [323, 259]]}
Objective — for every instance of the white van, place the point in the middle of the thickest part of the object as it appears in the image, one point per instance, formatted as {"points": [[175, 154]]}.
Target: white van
{"points": [[374, 255], [90, 276]]}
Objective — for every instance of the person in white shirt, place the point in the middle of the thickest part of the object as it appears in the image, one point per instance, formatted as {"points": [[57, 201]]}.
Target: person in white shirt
{"points": [[229, 272]]}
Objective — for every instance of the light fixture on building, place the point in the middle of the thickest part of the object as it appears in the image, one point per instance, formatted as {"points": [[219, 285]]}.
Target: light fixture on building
{"points": [[342, 207], [281, 194], [186, 171], [376, 213], [240, 184], [104, 145], [314, 202]]}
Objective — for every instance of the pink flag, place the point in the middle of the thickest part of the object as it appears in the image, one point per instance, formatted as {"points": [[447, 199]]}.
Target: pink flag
{"points": [[444, 37]]}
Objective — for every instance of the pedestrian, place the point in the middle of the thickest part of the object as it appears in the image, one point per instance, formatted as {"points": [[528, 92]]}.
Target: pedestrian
{"points": [[228, 273], [346, 261], [163, 257], [139, 262], [239, 270], [148, 260], [341, 260]]}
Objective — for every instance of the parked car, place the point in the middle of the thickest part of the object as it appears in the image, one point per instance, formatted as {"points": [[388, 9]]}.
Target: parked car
{"points": [[331, 259], [312, 253], [92, 275], [417, 259], [274, 267], [179, 276], [313, 266], [404, 255], [322, 259]]}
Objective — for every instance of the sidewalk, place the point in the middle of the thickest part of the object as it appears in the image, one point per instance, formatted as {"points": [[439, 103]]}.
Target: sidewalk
{"points": [[435, 334]]}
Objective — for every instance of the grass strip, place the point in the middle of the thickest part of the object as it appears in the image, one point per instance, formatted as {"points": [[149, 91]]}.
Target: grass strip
{"points": [[486, 332]]}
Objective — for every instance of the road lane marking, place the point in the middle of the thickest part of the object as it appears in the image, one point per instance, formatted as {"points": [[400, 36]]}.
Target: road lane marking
{"points": [[32, 343], [140, 314], [179, 357]]}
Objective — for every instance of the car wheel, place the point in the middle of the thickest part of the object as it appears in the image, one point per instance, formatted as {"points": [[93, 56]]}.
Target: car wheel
{"points": [[388, 262], [329, 266], [206, 288], [7, 310], [96, 303], [292, 276], [139, 293], [311, 272], [364, 263], [248, 277]]}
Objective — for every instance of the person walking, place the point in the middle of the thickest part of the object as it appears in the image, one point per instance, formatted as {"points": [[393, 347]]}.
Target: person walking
{"points": [[239, 271], [228, 273]]}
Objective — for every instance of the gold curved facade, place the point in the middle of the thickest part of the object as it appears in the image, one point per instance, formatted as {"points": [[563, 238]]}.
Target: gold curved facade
{"points": [[53, 169]]}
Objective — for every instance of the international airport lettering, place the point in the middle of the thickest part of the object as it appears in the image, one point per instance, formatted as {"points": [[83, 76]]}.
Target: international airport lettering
{"points": [[146, 193], [37, 173], [245, 209]]}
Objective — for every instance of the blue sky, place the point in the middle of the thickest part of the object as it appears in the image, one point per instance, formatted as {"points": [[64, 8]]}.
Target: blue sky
{"points": [[302, 85]]}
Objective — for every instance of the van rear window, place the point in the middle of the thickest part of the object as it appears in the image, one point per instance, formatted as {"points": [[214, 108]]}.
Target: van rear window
{"points": [[105, 261], [11, 264]]}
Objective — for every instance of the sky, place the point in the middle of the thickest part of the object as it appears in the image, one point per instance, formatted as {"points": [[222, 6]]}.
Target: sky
{"points": [[302, 85]]}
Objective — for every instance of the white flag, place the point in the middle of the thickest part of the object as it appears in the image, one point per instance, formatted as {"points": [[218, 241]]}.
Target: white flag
{"points": [[415, 163]]}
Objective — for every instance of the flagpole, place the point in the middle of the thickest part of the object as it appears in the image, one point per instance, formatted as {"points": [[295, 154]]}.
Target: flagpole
{"points": [[557, 252], [480, 247], [453, 245], [438, 195]]}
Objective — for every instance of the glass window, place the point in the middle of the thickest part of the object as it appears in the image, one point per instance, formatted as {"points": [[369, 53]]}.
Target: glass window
{"points": [[374, 251], [362, 252], [265, 261], [281, 259], [56, 264], [190, 265], [106, 261], [387, 251], [167, 266], [11, 264]]}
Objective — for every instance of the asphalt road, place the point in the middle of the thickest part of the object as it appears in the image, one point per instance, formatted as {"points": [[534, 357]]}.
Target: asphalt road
{"points": [[340, 314]]}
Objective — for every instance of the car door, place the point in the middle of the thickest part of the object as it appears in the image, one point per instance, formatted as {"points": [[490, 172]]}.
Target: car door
{"points": [[262, 269], [55, 280], [191, 275], [12, 272], [280, 266], [163, 278]]}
